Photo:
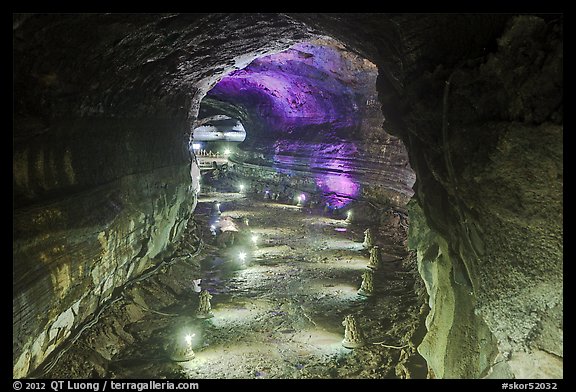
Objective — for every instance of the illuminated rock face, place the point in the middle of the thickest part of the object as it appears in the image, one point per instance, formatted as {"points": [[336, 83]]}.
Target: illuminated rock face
{"points": [[330, 166], [311, 110], [306, 85]]}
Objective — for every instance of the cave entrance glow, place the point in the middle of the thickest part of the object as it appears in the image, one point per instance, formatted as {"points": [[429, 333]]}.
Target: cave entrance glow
{"points": [[215, 138]]}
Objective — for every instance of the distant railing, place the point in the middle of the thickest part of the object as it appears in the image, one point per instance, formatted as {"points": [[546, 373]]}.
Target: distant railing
{"points": [[208, 160], [210, 154]]}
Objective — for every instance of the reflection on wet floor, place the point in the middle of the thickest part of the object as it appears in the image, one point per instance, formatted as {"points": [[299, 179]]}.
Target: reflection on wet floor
{"points": [[278, 301]]}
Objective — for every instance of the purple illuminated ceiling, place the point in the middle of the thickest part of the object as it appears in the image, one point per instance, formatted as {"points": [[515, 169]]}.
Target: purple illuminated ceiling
{"points": [[307, 85], [304, 106]]}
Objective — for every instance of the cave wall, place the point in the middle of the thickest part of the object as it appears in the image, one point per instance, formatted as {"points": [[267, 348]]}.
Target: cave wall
{"points": [[477, 100], [458, 343], [483, 127], [103, 106], [499, 166], [99, 206]]}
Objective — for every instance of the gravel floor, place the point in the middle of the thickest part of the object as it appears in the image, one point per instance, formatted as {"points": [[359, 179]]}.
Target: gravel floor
{"points": [[279, 313]]}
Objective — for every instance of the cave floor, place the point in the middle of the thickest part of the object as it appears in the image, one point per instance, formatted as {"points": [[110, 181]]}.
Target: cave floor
{"points": [[279, 314]]}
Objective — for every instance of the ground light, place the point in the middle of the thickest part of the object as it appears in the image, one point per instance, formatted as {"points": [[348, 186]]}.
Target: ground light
{"points": [[181, 349], [196, 284], [254, 239], [301, 198], [242, 256], [349, 217], [241, 187], [227, 151]]}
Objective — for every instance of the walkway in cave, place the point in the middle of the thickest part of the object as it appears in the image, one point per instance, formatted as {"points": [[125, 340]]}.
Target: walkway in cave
{"points": [[279, 314]]}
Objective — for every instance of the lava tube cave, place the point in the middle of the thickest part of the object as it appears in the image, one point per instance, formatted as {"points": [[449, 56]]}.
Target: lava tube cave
{"points": [[287, 196]]}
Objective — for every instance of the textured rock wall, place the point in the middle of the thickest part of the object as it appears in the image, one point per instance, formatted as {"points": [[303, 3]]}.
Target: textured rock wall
{"points": [[477, 100], [106, 206], [101, 171], [488, 158], [458, 343]]}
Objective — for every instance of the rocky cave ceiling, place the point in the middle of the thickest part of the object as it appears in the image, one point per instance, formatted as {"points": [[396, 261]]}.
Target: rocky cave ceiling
{"points": [[306, 85], [307, 108]]}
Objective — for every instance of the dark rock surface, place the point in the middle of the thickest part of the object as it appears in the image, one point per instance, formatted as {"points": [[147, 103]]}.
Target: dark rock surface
{"points": [[103, 109], [491, 186]]}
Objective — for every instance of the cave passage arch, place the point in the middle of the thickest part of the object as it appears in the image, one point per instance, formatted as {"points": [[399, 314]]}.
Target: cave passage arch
{"points": [[311, 111]]}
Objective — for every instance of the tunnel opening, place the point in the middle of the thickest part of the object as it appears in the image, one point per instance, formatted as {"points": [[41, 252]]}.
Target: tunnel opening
{"points": [[285, 171], [308, 110], [313, 113]]}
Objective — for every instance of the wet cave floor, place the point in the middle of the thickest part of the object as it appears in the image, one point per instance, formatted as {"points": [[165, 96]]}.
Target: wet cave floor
{"points": [[278, 313]]}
